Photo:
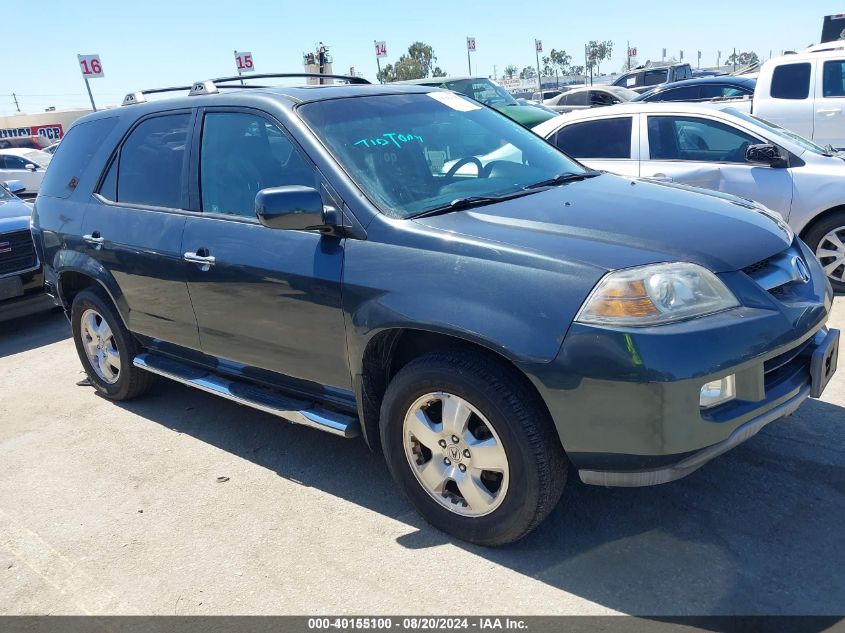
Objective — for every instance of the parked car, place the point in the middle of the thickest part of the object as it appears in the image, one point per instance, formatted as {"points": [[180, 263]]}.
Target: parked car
{"points": [[51, 149], [483, 90], [587, 97], [716, 89], [805, 93], [541, 97], [25, 165], [725, 150], [300, 251], [644, 77], [21, 277]]}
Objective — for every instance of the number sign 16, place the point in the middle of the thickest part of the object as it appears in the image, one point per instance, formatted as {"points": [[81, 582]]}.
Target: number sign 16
{"points": [[90, 66], [243, 62]]}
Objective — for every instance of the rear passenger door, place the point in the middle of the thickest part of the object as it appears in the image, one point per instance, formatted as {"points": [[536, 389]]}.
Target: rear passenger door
{"points": [[270, 298], [608, 143], [830, 103], [133, 227]]}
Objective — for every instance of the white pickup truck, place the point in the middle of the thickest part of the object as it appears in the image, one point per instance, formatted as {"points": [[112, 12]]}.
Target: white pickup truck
{"points": [[804, 93]]}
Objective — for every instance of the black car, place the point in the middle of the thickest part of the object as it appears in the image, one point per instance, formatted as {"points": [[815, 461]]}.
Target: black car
{"points": [[702, 89], [21, 277], [319, 253]]}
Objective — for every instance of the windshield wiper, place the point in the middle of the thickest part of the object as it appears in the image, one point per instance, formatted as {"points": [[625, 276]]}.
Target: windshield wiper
{"points": [[563, 178], [468, 202]]}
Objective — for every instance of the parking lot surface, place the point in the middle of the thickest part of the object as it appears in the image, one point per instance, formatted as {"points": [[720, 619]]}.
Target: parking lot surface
{"points": [[183, 503]]}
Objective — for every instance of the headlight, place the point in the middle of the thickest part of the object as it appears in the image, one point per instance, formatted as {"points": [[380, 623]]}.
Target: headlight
{"points": [[655, 294]]}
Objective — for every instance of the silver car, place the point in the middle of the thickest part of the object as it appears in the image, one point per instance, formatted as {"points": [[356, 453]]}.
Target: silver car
{"points": [[725, 150], [587, 97]]}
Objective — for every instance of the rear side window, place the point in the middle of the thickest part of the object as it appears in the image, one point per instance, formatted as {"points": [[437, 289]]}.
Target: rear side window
{"points": [[654, 77], [605, 138], [686, 93], [150, 164], [833, 84], [74, 155], [791, 81], [577, 98]]}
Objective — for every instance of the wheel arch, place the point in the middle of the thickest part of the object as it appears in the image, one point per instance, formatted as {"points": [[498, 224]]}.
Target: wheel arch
{"points": [[391, 349], [819, 217], [73, 278]]}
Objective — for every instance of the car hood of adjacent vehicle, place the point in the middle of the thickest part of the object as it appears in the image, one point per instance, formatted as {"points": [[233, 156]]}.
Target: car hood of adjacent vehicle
{"points": [[14, 215], [612, 222], [527, 115]]}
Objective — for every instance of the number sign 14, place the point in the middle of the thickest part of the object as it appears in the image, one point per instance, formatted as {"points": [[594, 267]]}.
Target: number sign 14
{"points": [[90, 66], [244, 63]]}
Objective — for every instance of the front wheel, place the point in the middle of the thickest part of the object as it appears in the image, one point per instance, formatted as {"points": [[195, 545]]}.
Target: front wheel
{"points": [[827, 240], [472, 447]]}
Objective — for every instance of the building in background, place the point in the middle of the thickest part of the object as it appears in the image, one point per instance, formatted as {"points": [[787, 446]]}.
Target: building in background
{"points": [[38, 129]]}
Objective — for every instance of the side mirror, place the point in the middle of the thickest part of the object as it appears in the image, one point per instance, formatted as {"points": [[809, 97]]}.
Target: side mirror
{"points": [[294, 207], [30, 167], [765, 154], [15, 186]]}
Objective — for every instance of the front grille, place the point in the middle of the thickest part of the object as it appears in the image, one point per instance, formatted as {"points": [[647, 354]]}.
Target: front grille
{"points": [[785, 358], [17, 252], [756, 268]]}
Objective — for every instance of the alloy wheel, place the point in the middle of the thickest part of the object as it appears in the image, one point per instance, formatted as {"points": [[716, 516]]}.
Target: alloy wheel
{"points": [[100, 346], [831, 254]]}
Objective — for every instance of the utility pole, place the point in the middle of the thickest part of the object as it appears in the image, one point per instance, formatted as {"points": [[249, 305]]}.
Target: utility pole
{"points": [[734, 59], [718, 59], [538, 46], [494, 71], [15, 97]]}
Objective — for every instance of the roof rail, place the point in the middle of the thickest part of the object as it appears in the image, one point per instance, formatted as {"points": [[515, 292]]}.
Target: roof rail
{"points": [[348, 78], [210, 86]]}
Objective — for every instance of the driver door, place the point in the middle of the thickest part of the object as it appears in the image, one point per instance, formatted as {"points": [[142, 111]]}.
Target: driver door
{"points": [[702, 152]]}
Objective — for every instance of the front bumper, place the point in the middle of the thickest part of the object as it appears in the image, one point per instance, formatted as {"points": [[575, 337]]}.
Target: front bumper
{"points": [[25, 305], [626, 401]]}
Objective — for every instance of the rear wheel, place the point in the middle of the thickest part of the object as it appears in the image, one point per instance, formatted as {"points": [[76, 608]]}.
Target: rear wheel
{"points": [[106, 348], [472, 447], [827, 241]]}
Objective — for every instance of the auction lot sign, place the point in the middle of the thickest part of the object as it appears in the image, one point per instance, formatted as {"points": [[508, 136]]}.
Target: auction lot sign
{"points": [[51, 132]]}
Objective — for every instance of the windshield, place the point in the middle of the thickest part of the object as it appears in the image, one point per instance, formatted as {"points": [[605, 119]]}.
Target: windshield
{"points": [[4, 194], [779, 131], [42, 159], [626, 94], [411, 153], [482, 90]]}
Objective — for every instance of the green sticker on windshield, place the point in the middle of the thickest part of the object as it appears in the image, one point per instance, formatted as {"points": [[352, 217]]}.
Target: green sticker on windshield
{"points": [[389, 138]]}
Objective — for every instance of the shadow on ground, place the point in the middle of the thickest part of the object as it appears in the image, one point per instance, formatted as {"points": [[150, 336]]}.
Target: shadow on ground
{"points": [[29, 332], [757, 531]]}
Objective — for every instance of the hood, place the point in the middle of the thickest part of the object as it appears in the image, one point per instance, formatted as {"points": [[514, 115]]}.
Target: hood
{"points": [[612, 222], [527, 115], [14, 215]]}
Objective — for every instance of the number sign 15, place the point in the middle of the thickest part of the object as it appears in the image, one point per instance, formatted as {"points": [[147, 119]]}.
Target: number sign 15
{"points": [[243, 62], [90, 66]]}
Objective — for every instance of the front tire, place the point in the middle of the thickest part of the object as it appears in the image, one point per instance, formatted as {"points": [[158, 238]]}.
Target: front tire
{"points": [[827, 240], [106, 348], [472, 447]]}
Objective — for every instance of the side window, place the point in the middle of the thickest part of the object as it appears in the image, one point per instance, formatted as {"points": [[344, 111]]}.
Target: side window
{"points": [[833, 84], [654, 77], [695, 139], [13, 162], [149, 168], [604, 138], [577, 98], [73, 156], [686, 93], [599, 98], [791, 81], [241, 155]]}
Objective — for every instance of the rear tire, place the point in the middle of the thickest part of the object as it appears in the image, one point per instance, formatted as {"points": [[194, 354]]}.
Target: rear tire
{"points": [[106, 348], [507, 470], [827, 240]]}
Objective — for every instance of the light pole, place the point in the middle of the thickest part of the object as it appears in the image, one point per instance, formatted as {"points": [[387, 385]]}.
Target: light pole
{"points": [[538, 48]]}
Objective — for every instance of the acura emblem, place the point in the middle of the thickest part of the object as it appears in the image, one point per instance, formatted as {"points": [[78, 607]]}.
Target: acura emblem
{"points": [[801, 272], [5, 247]]}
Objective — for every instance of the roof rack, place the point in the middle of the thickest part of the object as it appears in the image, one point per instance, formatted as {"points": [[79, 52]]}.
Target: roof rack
{"points": [[211, 86]]}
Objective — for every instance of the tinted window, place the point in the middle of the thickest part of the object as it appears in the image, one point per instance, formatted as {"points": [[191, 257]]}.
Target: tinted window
{"points": [[605, 138], [694, 139], [599, 98], [833, 84], [686, 93], [577, 98], [73, 155], [722, 91], [791, 81], [683, 72], [149, 171], [241, 155], [654, 77], [12, 162], [108, 189]]}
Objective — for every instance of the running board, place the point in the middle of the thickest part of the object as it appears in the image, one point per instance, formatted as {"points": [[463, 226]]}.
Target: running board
{"points": [[293, 410]]}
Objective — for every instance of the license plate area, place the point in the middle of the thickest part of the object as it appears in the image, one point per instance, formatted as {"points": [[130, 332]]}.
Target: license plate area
{"points": [[823, 363], [10, 288]]}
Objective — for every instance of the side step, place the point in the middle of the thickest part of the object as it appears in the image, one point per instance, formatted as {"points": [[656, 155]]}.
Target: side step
{"points": [[292, 410]]}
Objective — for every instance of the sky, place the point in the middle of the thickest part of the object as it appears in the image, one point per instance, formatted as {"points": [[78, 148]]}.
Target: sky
{"points": [[155, 43]]}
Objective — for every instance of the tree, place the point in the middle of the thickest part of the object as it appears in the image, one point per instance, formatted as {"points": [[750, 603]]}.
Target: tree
{"points": [[742, 59], [597, 52], [561, 61], [417, 63], [510, 71], [528, 73]]}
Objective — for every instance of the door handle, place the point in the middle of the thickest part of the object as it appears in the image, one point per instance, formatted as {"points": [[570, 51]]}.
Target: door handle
{"points": [[829, 111], [205, 262], [95, 239], [662, 178]]}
